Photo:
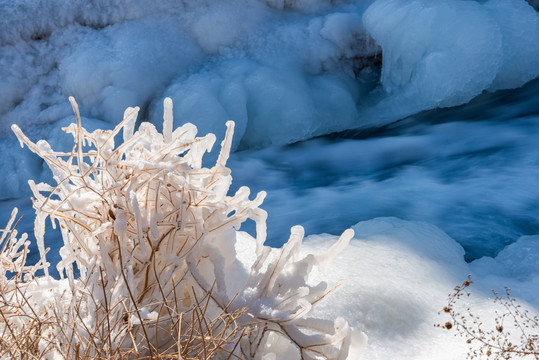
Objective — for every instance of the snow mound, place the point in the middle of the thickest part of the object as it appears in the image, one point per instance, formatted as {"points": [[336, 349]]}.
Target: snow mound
{"points": [[396, 278]]}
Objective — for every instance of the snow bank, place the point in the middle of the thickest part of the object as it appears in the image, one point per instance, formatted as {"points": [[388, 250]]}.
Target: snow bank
{"points": [[517, 266], [396, 277]]}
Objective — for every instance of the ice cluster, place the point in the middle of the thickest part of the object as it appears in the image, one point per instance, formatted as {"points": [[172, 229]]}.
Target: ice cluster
{"points": [[149, 266]]}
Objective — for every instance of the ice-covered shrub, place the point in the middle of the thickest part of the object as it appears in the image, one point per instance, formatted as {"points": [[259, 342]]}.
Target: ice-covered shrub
{"points": [[149, 267]]}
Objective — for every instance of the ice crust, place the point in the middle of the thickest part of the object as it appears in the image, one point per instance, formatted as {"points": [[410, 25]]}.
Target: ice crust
{"points": [[285, 71]]}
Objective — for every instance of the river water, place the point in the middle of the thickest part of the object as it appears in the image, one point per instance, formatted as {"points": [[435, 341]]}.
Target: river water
{"points": [[472, 170]]}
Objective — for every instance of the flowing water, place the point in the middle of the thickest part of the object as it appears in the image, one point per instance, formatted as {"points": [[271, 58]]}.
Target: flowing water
{"points": [[472, 170]]}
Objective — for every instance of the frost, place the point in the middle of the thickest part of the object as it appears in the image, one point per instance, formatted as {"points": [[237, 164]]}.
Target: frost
{"points": [[148, 264]]}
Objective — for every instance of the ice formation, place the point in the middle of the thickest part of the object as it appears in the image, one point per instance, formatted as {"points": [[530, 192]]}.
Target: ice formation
{"points": [[285, 71], [148, 264], [444, 53]]}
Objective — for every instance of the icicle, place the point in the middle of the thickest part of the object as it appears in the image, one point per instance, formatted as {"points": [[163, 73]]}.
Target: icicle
{"points": [[325, 259], [130, 117], [167, 120], [39, 231], [226, 144]]}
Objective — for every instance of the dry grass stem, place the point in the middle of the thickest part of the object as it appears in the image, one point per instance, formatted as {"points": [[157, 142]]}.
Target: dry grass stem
{"points": [[511, 333]]}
